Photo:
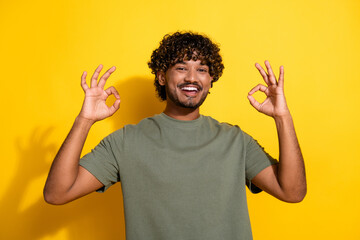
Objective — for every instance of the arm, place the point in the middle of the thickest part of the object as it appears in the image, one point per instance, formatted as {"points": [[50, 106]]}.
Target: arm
{"points": [[67, 180], [286, 180]]}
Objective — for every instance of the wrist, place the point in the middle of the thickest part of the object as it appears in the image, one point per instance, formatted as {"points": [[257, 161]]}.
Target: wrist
{"points": [[284, 117], [84, 122]]}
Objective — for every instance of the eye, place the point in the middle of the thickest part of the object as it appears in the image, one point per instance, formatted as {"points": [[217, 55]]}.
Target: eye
{"points": [[203, 70], [181, 68]]}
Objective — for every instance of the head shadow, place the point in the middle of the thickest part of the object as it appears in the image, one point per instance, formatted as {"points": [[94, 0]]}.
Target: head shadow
{"points": [[138, 101]]}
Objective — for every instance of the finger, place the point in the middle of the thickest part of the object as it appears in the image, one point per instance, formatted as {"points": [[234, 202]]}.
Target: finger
{"points": [[116, 105], [95, 76], [263, 73], [254, 103], [258, 87], [105, 77], [272, 77], [83, 81], [113, 91], [281, 77]]}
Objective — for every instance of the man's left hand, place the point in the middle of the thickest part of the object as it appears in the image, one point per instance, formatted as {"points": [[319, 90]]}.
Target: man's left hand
{"points": [[275, 104]]}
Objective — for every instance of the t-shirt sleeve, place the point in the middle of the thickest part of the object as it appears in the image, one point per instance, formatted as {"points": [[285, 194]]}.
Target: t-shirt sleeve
{"points": [[102, 161], [256, 160]]}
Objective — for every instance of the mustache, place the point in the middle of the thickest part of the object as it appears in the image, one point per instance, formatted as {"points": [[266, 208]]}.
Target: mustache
{"points": [[188, 83]]}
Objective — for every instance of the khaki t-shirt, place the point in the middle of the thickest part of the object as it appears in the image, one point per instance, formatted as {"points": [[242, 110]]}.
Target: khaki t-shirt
{"points": [[180, 179]]}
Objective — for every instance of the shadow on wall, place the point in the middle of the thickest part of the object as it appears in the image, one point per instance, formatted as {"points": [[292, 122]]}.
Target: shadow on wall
{"points": [[96, 216], [138, 101]]}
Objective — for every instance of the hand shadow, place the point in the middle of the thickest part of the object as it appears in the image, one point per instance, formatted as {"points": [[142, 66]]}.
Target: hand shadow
{"points": [[96, 216]]}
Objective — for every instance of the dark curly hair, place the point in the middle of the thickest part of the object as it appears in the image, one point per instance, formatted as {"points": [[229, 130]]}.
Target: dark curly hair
{"points": [[186, 46]]}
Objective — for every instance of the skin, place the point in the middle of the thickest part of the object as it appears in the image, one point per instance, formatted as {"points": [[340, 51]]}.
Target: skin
{"points": [[189, 73], [67, 180], [286, 181]]}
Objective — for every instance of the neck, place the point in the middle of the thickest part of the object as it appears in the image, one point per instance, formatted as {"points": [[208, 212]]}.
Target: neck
{"points": [[181, 113]]}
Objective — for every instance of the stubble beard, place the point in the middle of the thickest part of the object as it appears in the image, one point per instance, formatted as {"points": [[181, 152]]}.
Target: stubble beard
{"points": [[188, 103]]}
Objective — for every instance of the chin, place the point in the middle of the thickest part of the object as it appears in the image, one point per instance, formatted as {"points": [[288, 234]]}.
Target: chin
{"points": [[190, 104], [187, 101]]}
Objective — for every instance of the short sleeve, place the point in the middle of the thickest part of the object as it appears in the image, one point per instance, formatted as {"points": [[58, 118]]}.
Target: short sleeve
{"points": [[102, 161], [256, 160]]}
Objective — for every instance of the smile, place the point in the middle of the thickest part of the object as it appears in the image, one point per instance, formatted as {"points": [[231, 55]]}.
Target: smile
{"points": [[190, 89]]}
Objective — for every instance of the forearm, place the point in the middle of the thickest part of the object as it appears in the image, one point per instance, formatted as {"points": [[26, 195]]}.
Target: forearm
{"points": [[65, 167], [291, 169]]}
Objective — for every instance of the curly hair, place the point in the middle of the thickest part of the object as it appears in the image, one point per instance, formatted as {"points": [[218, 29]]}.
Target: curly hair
{"points": [[185, 46]]}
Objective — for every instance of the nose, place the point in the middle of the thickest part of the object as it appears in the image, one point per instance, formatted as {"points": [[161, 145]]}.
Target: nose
{"points": [[190, 75]]}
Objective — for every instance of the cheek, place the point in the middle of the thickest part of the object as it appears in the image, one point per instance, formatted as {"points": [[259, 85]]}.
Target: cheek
{"points": [[206, 82], [173, 78]]}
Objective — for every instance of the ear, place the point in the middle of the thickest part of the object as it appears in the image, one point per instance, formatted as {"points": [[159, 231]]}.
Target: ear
{"points": [[211, 82], [161, 77]]}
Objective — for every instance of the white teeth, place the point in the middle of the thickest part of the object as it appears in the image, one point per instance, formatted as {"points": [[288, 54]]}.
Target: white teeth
{"points": [[189, 88]]}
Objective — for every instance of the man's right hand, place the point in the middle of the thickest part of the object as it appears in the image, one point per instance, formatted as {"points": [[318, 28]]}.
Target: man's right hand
{"points": [[67, 180], [94, 107]]}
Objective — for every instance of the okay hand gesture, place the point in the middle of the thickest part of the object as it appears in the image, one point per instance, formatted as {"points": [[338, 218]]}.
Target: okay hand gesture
{"points": [[275, 104], [94, 107]]}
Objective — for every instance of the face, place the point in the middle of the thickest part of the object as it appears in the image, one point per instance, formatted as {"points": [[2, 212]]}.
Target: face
{"points": [[187, 83]]}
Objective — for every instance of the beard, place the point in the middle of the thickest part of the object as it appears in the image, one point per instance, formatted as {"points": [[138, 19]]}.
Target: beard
{"points": [[189, 103]]}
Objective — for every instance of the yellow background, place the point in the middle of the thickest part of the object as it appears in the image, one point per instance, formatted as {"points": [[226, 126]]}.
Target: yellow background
{"points": [[45, 46]]}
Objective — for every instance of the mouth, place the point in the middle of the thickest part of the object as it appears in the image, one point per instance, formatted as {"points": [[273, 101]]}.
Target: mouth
{"points": [[190, 89]]}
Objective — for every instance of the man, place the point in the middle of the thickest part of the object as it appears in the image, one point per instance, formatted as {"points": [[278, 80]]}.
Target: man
{"points": [[183, 174]]}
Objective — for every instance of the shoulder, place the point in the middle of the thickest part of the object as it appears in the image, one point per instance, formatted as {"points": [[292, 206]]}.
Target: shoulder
{"points": [[228, 129], [223, 126], [147, 127], [145, 123]]}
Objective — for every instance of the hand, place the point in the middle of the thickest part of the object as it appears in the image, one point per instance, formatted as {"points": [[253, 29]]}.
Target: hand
{"points": [[94, 107], [275, 103]]}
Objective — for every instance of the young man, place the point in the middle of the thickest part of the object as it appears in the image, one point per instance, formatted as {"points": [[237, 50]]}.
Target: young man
{"points": [[183, 175]]}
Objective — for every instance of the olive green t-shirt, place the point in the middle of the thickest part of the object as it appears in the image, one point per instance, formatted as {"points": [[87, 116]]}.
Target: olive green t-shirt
{"points": [[180, 179]]}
